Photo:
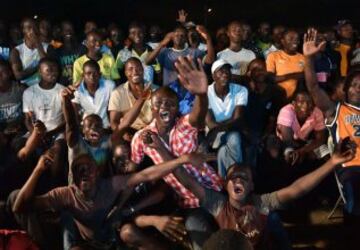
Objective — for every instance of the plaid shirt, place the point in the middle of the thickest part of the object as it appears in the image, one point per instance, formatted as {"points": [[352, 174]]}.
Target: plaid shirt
{"points": [[183, 140]]}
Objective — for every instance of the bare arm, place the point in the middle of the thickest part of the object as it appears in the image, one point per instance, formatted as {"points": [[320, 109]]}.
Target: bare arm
{"points": [[158, 171], [311, 180], [321, 99], [153, 54], [210, 55], [25, 198], [71, 127], [17, 67]]}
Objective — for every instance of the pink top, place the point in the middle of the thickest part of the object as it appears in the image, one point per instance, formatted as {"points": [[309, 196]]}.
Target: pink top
{"points": [[287, 117]]}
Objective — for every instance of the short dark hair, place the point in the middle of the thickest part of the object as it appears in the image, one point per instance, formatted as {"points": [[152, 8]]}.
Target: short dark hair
{"points": [[226, 239], [136, 24], [49, 60], [166, 90], [133, 59], [92, 63]]}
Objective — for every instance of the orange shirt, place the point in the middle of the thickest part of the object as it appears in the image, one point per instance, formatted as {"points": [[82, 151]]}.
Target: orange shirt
{"points": [[280, 63], [343, 49], [347, 123]]}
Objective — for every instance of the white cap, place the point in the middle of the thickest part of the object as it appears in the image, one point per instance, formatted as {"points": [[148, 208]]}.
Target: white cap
{"points": [[218, 64]]}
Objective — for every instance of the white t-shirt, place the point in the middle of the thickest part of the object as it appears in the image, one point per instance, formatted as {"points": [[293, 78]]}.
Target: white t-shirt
{"points": [[238, 60], [269, 50], [97, 104], [224, 109], [45, 104]]}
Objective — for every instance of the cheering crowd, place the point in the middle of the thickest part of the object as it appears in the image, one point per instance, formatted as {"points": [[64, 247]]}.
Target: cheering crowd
{"points": [[186, 140]]}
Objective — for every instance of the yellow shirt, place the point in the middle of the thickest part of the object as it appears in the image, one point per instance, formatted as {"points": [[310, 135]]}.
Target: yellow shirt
{"points": [[122, 100], [106, 63], [280, 63], [343, 50]]}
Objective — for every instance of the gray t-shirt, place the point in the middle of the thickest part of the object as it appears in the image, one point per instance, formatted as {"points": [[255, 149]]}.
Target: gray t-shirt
{"points": [[11, 104]]}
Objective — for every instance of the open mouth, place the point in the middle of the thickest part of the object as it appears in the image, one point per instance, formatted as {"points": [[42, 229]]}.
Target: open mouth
{"points": [[238, 190], [94, 136], [165, 116]]}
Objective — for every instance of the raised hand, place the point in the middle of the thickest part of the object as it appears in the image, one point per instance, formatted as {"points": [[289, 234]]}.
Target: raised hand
{"points": [[182, 15], [191, 77], [309, 47], [45, 161], [345, 151], [68, 93], [39, 128], [172, 227], [203, 32]]}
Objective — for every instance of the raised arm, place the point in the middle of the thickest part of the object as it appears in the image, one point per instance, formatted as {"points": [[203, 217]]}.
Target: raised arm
{"points": [[153, 54], [311, 180], [194, 79], [25, 197], [321, 99], [210, 55], [160, 170], [72, 128]]}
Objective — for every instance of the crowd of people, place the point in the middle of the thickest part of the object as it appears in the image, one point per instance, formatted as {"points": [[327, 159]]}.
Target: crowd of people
{"points": [[187, 140]]}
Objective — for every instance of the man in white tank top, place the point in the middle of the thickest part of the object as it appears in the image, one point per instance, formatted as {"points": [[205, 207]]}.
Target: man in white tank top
{"points": [[25, 57]]}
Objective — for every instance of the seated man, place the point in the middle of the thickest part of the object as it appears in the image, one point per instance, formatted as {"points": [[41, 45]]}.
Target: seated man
{"points": [[87, 201], [105, 61], [124, 96], [93, 94], [246, 212], [226, 106], [287, 64], [295, 123], [25, 57], [43, 114]]}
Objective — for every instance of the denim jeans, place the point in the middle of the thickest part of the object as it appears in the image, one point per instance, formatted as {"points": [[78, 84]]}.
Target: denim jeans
{"points": [[229, 152]]}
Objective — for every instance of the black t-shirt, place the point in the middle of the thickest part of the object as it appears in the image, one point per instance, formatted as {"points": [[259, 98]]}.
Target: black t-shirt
{"points": [[66, 60], [261, 106]]}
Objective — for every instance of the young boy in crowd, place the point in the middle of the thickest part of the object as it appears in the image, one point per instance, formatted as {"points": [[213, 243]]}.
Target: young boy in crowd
{"points": [[25, 57], [227, 102], [93, 93], [43, 115], [168, 56], [106, 62], [287, 64], [237, 56], [125, 95], [138, 49]]}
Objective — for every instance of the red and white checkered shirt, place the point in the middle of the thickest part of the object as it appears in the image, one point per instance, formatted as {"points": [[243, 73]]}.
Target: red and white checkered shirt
{"points": [[182, 140]]}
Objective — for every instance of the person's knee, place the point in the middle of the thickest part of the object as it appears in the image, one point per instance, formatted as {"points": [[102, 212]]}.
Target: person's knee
{"points": [[234, 139], [128, 233]]}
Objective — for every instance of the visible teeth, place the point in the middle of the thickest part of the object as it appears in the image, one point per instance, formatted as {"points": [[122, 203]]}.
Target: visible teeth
{"points": [[165, 115]]}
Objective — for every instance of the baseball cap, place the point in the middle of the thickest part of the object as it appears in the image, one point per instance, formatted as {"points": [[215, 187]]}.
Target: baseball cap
{"points": [[218, 64]]}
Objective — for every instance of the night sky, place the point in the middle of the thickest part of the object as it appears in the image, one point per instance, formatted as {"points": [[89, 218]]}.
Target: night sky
{"points": [[295, 13]]}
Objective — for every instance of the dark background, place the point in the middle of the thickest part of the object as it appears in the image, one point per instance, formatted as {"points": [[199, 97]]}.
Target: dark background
{"points": [[294, 13]]}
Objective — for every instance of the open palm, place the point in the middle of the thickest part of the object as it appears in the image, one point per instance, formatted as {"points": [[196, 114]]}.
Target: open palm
{"points": [[192, 78], [309, 47]]}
